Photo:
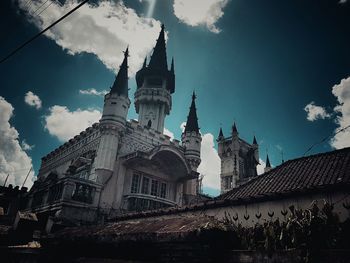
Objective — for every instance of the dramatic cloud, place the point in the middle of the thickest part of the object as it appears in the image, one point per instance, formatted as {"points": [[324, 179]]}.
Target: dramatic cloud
{"points": [[200, 12], [315, 112], [104, 29], [65, 124], [210, 161], [32, 100], [210, 164], [342, 93], [13, 159], [93, 92]]}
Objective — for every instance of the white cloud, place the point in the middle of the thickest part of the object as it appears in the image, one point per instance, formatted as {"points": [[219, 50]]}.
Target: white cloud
{"points": [[93, 92], [210, 161], [104, 29], [169, 133], [182, 126], [342, 93], [13, 159], [315, 112], [65, 124], [260, 167], [32, 100], [200, 12], [210, 164], [26, 147]]}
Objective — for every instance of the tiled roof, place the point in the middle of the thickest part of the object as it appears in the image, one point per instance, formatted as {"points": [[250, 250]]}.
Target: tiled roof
{"points": [[320, 171], [144, 229]]}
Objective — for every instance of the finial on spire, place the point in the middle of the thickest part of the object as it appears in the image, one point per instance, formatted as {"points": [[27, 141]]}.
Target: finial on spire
{"points": [[234, 128], [158, 58], [126, 52], [221, 134]]}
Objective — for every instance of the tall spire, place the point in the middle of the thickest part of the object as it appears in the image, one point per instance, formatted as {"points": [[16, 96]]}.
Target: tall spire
{"points": [[145, 63], [158, 58], [234, 128], [221, 134], [192, 120], [120, 85], [172, 69], [254, 141], [268, 161]]}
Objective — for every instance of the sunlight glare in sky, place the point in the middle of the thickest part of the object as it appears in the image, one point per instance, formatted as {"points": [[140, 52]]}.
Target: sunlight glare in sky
{"points": [[151, 4]]}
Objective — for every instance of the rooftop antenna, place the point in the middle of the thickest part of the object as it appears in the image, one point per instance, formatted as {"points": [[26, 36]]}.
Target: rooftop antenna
{"points": [[27, 176]]}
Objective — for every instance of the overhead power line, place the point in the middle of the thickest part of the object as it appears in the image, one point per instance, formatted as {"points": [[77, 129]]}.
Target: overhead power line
{"points": [[42, 32], [325, 139]]}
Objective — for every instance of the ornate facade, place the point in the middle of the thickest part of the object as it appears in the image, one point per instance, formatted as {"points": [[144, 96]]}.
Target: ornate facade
{"points": [[238, 159], [117, 166]]}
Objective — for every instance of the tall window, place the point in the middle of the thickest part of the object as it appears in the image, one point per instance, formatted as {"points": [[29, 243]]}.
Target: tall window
{"points": [[145, 185], [135, 184], [163, 190], [154, 188]]}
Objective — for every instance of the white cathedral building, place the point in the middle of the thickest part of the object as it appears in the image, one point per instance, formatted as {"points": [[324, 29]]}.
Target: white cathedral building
{"points": [[119, 165]]}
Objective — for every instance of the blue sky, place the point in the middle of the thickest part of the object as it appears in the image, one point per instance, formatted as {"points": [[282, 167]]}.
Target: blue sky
{"points": [[280, 69]]}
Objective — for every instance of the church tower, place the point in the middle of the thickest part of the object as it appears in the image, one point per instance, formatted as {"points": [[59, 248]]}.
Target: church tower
{"points": [[238, 159], [191, 141], [112, 123], [155, 84]]}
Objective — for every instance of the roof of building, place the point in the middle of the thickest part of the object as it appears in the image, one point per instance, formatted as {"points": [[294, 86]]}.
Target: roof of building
{"points": [[320, 172], [254, 140], [158, 65], [192, 120], [306, 173], [268, 161], [141, 230], [120, 85], [159, 59]]}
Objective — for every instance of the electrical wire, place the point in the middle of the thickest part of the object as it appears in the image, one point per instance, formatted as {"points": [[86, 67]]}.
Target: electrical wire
{"points": [[325, 139], [41, 32]]}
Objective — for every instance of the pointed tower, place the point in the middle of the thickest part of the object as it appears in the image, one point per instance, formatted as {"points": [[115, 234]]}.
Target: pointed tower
{"points": [[155, 84], [268, 165], [255, 146], [112, 123], [191, 141], [235, 154], [220, 140]]}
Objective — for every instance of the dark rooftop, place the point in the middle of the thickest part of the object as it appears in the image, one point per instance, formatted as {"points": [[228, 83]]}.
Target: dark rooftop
{"points": [[320, 172], [306, 173], [141, 229]]}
